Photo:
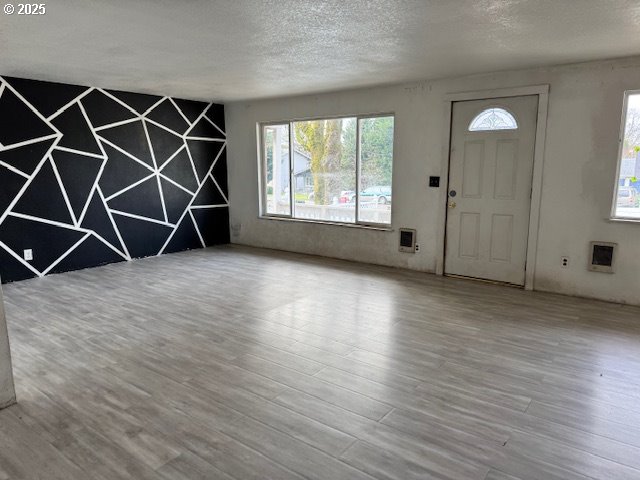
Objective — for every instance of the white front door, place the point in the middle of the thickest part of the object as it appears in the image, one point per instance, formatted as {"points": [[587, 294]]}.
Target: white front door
{"points": [[489, 198]]}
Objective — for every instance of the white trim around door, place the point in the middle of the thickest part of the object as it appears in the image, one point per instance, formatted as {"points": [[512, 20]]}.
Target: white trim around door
{"points": [[542, 91]]}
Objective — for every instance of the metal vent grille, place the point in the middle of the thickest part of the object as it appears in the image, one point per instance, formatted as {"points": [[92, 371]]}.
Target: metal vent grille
{"points": [[407, 240], [602, 257]]}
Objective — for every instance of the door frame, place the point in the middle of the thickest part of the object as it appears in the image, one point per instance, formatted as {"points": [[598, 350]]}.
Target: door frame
{"points": [[542, 91]]}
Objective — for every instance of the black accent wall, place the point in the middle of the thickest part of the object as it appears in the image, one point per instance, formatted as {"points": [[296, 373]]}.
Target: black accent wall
{"points": [[91, 176]]}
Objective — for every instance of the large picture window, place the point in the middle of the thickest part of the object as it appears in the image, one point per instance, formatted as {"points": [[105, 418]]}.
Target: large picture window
{"points": [[335, 170], [627, 196]]}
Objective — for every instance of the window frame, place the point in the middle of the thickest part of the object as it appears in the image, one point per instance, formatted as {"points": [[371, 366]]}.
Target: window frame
{"points": [[262, 169], [623, 126]]}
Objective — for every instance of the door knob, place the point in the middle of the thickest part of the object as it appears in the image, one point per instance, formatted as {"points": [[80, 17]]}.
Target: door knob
{"points": [[452, 204]]}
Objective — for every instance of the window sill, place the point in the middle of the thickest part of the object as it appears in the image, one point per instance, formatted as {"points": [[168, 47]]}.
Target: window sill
{"points": [[624, 219], [362, 226]]}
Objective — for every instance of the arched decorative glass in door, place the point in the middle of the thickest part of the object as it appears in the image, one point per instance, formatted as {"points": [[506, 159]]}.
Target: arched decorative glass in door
{"points": [[494, 118]]}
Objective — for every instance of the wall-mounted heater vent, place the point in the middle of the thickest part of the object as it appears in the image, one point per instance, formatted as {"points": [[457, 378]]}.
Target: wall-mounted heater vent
{"points": [[407, 240], [602, 257]]}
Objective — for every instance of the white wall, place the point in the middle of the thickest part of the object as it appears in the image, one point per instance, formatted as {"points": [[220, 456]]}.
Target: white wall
{"points": [[581, 150], [7, 393]]}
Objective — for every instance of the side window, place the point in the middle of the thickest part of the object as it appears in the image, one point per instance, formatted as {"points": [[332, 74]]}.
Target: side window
{"points": [[275, 169], [627, 200]]}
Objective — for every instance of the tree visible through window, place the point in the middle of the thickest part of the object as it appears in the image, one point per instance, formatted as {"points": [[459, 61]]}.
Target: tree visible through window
{"points": [[627, 198], [340, 170]]}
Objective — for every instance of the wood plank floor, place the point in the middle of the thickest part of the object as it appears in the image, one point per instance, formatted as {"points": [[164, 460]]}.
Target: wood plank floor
{"points": [[238, 363]]}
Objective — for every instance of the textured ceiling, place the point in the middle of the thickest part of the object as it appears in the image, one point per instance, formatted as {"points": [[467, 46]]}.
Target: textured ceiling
{"points": [[242, 49]]}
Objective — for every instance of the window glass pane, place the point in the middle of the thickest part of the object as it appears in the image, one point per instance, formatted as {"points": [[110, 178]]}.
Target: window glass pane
{"points": [[376, 162], [493, 119], [324, 169], [276, 164], [628, 200]]}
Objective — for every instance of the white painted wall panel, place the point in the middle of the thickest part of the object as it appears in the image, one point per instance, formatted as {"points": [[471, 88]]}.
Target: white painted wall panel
{"points": [[585, 104]]}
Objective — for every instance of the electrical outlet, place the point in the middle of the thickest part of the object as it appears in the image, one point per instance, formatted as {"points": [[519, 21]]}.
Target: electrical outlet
{"points": [[564, 262], [28, 254], [417, 248]]}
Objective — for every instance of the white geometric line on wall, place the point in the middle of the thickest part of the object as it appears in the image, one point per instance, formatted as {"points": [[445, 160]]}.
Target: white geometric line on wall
{"points": [[129, 187], [47, 221], [38, 114], [64, 192], [91, 127], [113, 223], [180, 111], [92, 191], [108, 244], [20, 259], [198, 207], [29, 142], [219, 189], [193, 165], [161, 192], [69, 104], [117, 100], [124, 152], [207, 139], [195, 122], [79, 152], [195, 225], [116, 124], [153, 156], [175, 184], [216, 126], [163, 127], [13, 169], [64, 255], [176, 153], [141, 217], [148, 111]]}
